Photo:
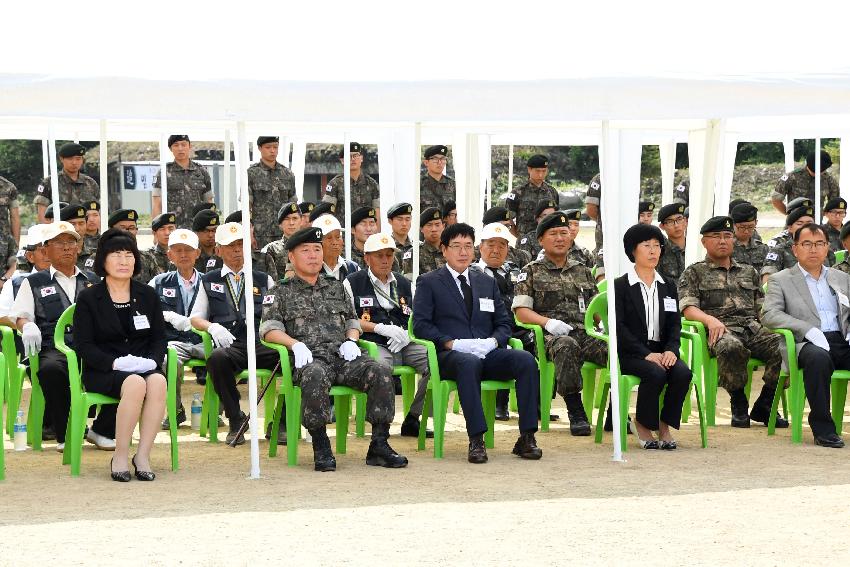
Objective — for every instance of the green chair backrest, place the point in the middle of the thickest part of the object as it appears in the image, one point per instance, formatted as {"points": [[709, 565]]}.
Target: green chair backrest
{"points": [[602, 285], [598, 309], [839, 256], [74, 367]]}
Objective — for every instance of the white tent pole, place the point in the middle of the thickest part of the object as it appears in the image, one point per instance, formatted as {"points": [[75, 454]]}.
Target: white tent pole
{"points": [[417, 203], [45, 160], [248, 286], [104, 178], [703, 150], [163, 171], [459, 159], [283, 151], [726, 173], [299, 159], [667, 156], [346, 178], [472, 187], [510, 168], [225, 178], [55, 170], [386, 174], [844, 180], [818, 213], [485, 168], [788, 147]]}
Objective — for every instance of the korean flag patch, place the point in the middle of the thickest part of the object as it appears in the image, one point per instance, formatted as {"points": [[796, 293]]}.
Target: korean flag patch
{"points": [[89, 263], [511, 196], [210, 262], [594, 185], [772, 256], [329, 188], [217, 287], [50, 290], [366, 302], [522, 277], [40, 189], [784, 177], [407, 255], [169, 292], [268, 299]]}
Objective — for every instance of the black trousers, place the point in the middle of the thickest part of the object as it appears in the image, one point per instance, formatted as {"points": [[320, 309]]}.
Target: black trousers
{"points": [[225, 363], [500, 364], [653, 378], [819, 365]]}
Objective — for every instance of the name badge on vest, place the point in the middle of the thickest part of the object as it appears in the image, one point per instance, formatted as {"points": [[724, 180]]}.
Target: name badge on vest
{"points": [[486, 304], [670, 304], [366, 302], [169, 292], [217, 287], [50, 290], [141, 322], [581, 306]]}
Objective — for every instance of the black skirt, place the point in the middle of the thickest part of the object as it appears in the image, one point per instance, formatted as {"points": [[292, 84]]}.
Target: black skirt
{"points": [[109, 383]]}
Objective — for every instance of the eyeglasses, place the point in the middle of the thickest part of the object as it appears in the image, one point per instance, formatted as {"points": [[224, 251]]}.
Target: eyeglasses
{"points": [[744, 228], [460, 247], [436, 159], [674, 221], [64, 244], [720, 236], [808, 244], [837, 213]]}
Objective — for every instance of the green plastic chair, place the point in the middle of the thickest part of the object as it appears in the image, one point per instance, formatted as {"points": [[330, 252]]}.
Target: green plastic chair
{"points": [[406, 375], [2, 450], [797, 391], [602, 285], [35, 415], [289, 395], [13, 379], [839, 256]]}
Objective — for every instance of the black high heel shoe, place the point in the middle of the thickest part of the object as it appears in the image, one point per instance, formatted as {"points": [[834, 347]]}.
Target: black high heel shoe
{"points": [[141, 475], [120, 476]]}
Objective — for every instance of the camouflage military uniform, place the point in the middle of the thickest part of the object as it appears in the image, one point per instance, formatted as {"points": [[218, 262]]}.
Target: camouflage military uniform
{"points": [[580, 255], [430, 259], [364, 193], [319, 315], [8, 201], [594, 197], [672, 262], [562, 293], [799, 183], [752, 253], [780, 256], [8, 250], [159, 257], [734, 297], [843, 265], [834, 236], [83, 189], [529, 243], [357, 257], [90, 243], [402, 246], [433, 193], [150, 268], [682, 192], [277, 252], [523, 200], [269, 188], [186, 188], [207, 262]]}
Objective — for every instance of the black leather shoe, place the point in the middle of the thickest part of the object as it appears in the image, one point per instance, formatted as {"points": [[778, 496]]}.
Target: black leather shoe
{"points": [[477, 452], [201, 376], [609, 426], [281, 433], [502, 413], [142, 475], [831, 440], [181, 418], [526, 447], [410, 427], [120, 476], [235, 426], [762, 415], [47, 434], [323, 458], [380, 454]]}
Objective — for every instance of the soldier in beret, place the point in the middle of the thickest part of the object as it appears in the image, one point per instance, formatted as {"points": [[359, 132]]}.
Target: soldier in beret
{"points": [[161, 226], [835, 211], [289, 222], [449, 213], [261, 260], [801, 183], [322, 208], [400, 216], [430, 257], [188, 182], [747, 249], [92, 226], [204, 225], [726, 297], [435, 189], [364, 189], [523, 200], [305, 208], [646, 210], [364, 224], [528, 241], [673, 222], [682, 192], [505, 217], [74, 186], [593, 202], [269, 183], [10, 216], [844, 265], [780, 254]]}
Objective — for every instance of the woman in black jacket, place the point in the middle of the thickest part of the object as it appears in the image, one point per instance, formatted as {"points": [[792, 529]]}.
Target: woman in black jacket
{"points": [[648, 332], [119, 333]]}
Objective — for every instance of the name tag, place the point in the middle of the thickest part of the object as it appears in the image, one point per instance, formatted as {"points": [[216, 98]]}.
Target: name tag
{"points": [[581, 306], [217, 287], [670, 304], [366, 302], [141, 322], [842, 299], [169, 292], [45, 291], [486, 304], [268, 299]]}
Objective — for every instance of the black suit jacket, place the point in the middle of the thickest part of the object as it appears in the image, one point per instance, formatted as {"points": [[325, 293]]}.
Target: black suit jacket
{"points": [[631, 318], [99, 337]]}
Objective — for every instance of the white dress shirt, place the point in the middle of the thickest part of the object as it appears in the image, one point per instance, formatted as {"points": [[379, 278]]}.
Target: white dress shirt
{"points": [[457, 281], [650, 303]]}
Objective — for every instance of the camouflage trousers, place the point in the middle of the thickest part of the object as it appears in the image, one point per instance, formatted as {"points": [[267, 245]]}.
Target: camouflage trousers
{"points": [[569, 353], [734, 349], [363, 373]]}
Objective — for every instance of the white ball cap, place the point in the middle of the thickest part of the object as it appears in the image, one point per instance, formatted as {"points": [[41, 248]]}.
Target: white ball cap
{"points": [[378, 241], [35, 235], [497, 230], [328, 223], [183, 236], [228, 233], [54, 229]]}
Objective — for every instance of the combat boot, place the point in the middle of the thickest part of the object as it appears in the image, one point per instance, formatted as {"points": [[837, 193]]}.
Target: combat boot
{"points": [[380, 454], [762, 407], [579, 425], [323, 457], [740, 407]]}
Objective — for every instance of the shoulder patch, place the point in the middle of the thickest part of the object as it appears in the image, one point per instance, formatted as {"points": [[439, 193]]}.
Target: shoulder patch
{"points": [[784, 177], [268, 299], [771, 243], [522, 277], [681, 188], [407, 255], [328, 188], [169, 292], [40, 189], [511, 196], [594, 185], [772, 256], [524, 240], [89, 263]]}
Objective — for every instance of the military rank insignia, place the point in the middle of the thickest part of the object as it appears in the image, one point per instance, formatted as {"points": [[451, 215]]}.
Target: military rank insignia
{"points": [[366, 316]]}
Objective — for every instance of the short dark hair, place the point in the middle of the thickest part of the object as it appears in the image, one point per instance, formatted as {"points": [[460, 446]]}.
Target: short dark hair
{"points": [[812, 227], [116, 240], [455, 230]]}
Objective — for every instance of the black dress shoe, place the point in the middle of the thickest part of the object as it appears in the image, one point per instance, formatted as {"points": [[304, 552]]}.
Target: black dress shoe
{"points": [[380, 454], [235, 426], [762, 415], [181, 418], [281, 433], [526, 447], [201, 376], [477, 452], [142, 475], [47, 434], [120, 476], [410, 427], [502, 413], [830, 440]]}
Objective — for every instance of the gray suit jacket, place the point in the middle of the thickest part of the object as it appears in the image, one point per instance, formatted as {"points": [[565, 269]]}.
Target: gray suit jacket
{"points": [[788, 303]]}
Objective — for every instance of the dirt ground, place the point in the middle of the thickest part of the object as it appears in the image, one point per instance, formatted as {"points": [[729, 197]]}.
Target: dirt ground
{"points": [[746, 499]]}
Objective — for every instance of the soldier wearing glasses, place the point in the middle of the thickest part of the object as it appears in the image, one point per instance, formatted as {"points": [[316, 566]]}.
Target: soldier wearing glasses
{"points": [[436, 189], [748, 249], [364, 189], [780, 254], [835, 210], [674, 224]]}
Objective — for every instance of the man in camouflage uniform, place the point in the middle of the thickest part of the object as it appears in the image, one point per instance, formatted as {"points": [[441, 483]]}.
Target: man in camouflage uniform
{"points": [[835, 211], [682, 192], [747, 249], [523, 200], [188, 182], [289, 221], [364, 189], [554, 292], [449, 213], [400, 216], [312, 316], [646, 210], [844, 265], [364, 224], [726, 297], [74, 186], [92, 235], [672, 220], [779, 252], [576, 253], [504, 217], [593, 202], [162, 226], [269, 184], [10, 217], [801, 183], [306, 209], [435, 189], [204, 224], [430, 257], [528, 241]]}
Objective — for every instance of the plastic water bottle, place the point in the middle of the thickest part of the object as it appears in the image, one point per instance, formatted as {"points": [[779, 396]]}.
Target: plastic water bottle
{"points": [[196, 411], [20, 432]]}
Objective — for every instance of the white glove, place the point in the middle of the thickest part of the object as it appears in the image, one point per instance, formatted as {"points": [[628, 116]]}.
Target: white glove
{"points": [[144, 364], [178, 321], [349, 350], [303, 356], [463, 345], [398, 338], [817, 338], [558, 327], [31, 337], [125, 363], [220, 336], [483, 346]]}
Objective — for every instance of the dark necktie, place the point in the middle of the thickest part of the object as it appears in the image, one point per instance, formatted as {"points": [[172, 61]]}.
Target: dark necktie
{"points": [[467, 293]]}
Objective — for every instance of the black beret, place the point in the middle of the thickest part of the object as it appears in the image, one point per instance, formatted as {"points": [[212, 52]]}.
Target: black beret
{"points": [[160, 221], [436, 151], [670, 210], [745, 212], [799, 213], [71, 150], [267, 140], [798, 202], [537, 161], [71, 212], [287, 209], [825, 161], [573, 214], [845, 230], [428, 215], [172, 139], [204, 220], [362, 214], [835, 203], [555, 220], [322, 209], [309, 235], [735, 202], [92, 206], [352, 148], [306, 207], [235, 216], [48, 213], [448, 207], [544, 204], [641, 233], [203, 207], [496, 214], [646, 207], [717, 224], [122, 215], [400, 209]]}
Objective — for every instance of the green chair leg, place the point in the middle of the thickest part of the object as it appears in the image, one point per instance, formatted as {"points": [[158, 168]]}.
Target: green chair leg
{"points": [[488, 402], [35, 416], [600, 415], [839, 397], [512, 403], [171, 406], [440, 402], [456, 409], [423, 422], [211, 403], [546, 389], [360, 419], [342, 408], [293, 426]]}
